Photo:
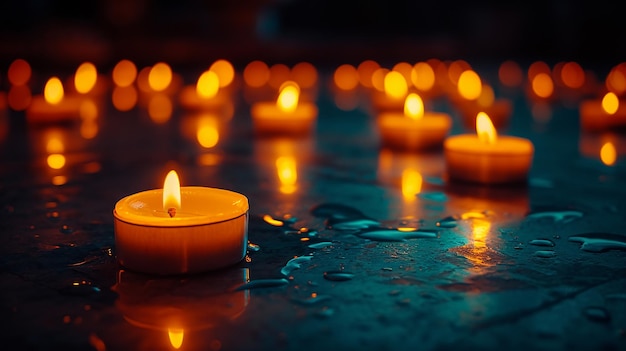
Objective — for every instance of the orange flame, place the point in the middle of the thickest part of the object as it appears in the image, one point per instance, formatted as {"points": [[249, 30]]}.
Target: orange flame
{"points": [[171, 191], [485, 129]]}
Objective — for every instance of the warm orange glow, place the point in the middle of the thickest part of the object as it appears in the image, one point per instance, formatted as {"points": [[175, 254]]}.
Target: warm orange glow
{"points": [[275, 222], [124, 73], [487, 96], [405, 69], [160, 108], [171, 191], [256, 74], [480, 231], [395, 85], [572, 75], [54, 145], [19, 72], [56, 161], [287, 174], [346, 77], [176, 337], [288, 98], [208, 84], [143, 81], [456, 69], [88, 112], [59, 180], [469, 85], [207, 134], [510, 74], [411, 184], [225, 72], [616, 79], [305, 74], [485, 129], [124, 98], [160, 76], [19, 97], [608, 154], [378, 79], [423, 76], [414, 106], [279, 73], [366, 69], [85, 77], [53, 91], [610, 103], [542, 85], [536, 68]]}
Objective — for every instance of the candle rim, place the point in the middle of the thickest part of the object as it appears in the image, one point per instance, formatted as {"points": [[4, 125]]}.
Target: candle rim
{"points": [[493, 150]]}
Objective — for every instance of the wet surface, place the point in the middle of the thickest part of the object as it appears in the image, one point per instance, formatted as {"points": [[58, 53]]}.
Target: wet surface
{"points": [[344, 256]]}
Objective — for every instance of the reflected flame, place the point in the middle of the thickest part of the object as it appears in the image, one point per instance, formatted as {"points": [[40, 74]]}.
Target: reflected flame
{"points": [[160, 76], [53, 91], [469, 85], [608, 154], [124, 98], [176, 337], [395, 85], [286, 169], [411, 184], [208, 84], [207, 134], [270, 220], [171, 191], [480, 230], [288, 98], [160, 108], [85, 77], [56, 161], [610, 103], [485, 129], [414, 106]]}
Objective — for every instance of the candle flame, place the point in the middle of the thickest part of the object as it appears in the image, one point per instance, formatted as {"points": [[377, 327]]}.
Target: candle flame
{"points": [[395, 85], [411, 184], [171, 191], [469, 85], [85, 77], [160, 76], [608, 154], [288, 97], [208, 84], [610, 103], [53, 91], [414, 106], [485, 129], [176, 337]]}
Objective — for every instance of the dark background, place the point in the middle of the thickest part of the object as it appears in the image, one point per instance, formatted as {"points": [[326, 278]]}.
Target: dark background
{"points": [[325, 32]]}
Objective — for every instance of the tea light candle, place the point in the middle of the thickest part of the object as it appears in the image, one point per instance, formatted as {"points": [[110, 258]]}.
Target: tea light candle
{"points": [[287, 115], [53, 105], [178, 230], [607, 113], [413, 129], [205, 95], [486, 157]]}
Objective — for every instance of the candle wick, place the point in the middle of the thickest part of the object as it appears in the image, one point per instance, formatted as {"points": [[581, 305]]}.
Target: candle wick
{"points": [[171, 211]]}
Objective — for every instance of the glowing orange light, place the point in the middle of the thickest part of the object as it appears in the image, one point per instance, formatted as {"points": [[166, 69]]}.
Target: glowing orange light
{"points": [[279, 73], [616, 79], [305, 74], [176, 337], [225, 72], [572, 75], [487, 96], [19, 72], [469, 85], [256, 74], [485, 129], [124, 98], [275, 222], [480, 231], [610, 103], [287, 172], [85, 77], [346, 77], [395, 85], [160, 108], [124, 73], [207, 134], [88, 112], [536, 68], [608, 154], [53, 91], [56, 161], [414, 106], [288, 97], [366, 69], [19, 97], [405, 69], [378, 78], [423, 76], [143, 81], [208, 84], [171, 191], [542, 85], [456, 69], [411, 184], [160, 76], [510, 74]]}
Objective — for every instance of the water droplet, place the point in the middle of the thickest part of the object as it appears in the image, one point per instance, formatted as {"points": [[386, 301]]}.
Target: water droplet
{"points": [[312, 300], [80, 288], [556, 216], [542, 242], [597, 314], [294, 263], [338, 276], [433, 196], [321, 245], [353, 224], [65, 229], [544, 254], [448, 222], [253, 247], [600, 242], [396, 235], [262, 283]]}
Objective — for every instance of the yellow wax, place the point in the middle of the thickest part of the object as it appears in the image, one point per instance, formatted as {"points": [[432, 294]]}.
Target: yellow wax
{"points": [[508, 160], [41, 111], [594, 118], [190, 100], [269, 118], [209, 231], [398, 131]]}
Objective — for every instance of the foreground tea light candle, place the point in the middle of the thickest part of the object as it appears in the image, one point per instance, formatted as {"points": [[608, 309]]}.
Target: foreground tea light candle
{"points": [[288, 115], [413, 129], [178, 230], [53, 106], [487, 158], [603, 114]]}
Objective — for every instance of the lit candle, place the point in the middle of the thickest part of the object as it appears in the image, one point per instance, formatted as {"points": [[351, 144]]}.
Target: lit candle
{"points": [[393, 94], [414, 129], [178, 230], [205, 95], [287, 115], [604, 114], [486, 157], [53, 105]]}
